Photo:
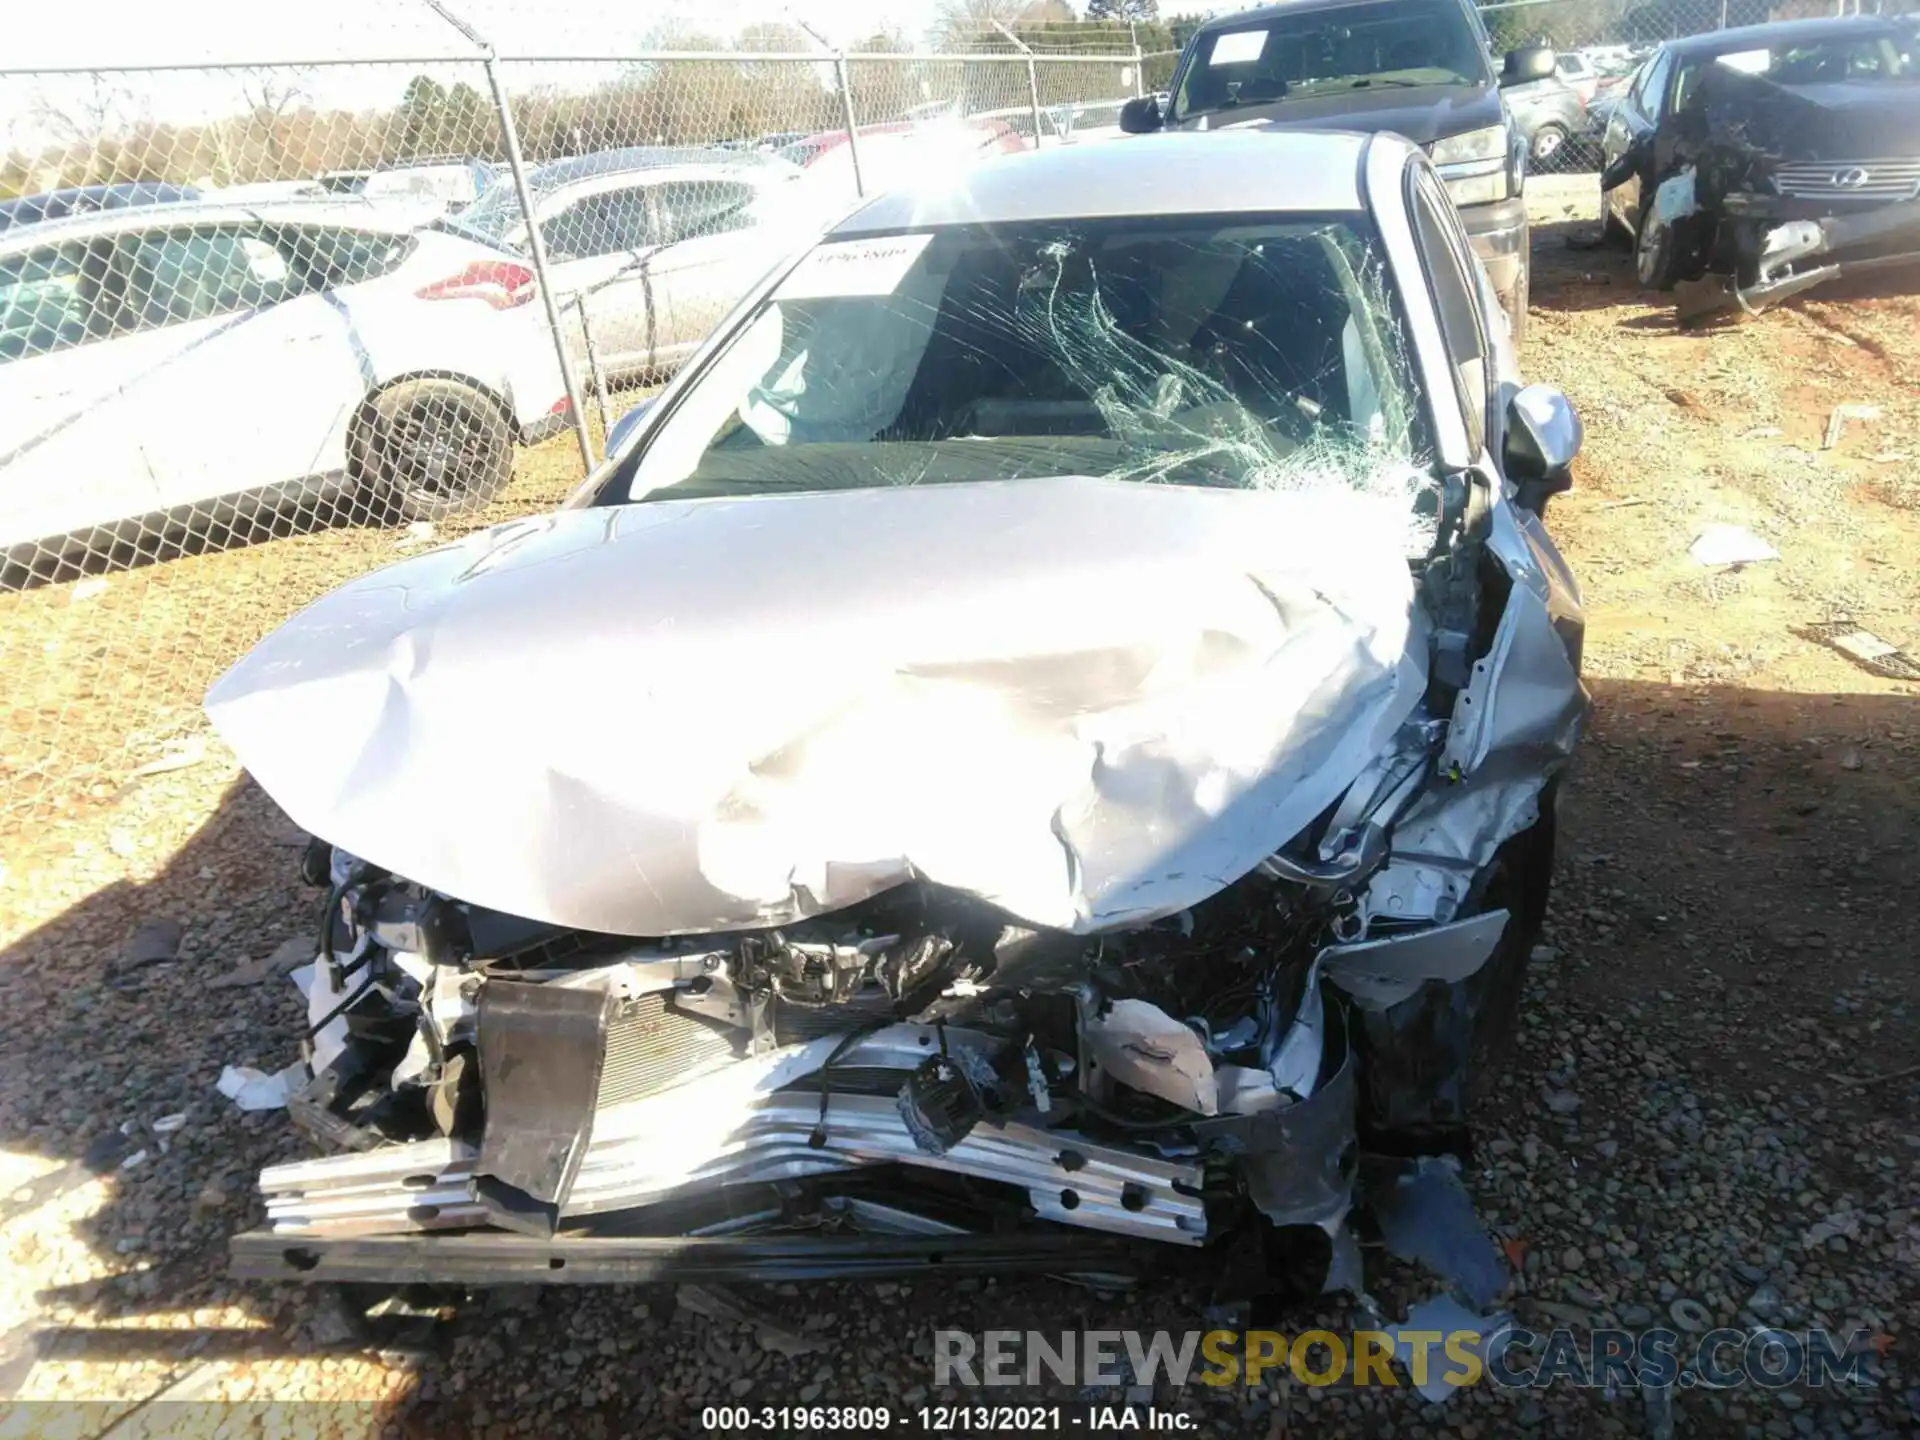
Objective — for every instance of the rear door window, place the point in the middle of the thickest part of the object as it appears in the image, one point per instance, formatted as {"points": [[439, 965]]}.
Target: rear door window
{"points": [[603, 224], [689, 209], [181, 276]]}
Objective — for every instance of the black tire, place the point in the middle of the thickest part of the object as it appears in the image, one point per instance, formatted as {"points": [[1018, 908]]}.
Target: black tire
{"points": [[1547, 142], [433, 448], [1663, 254], [1519, 879]]}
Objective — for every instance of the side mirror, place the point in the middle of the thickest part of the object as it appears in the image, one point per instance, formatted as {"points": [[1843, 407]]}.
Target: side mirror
{"points": [[630, 422], [1529, 62], [1140, 115], [1543, 437]]}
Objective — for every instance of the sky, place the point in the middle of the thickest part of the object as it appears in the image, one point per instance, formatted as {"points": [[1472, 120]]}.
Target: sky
{"points": [[120, 32], [402, 32]]}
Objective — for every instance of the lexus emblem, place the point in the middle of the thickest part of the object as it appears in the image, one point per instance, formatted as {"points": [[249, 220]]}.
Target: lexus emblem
{"points": [[1850, 179]]}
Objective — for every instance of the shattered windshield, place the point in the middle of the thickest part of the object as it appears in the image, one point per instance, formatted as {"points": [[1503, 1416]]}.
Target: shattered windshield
{"points": [[1253, 354], [1287, 57]]}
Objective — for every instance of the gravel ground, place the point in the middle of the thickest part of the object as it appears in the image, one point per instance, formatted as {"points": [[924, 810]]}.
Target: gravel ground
{"points": [[1711, 1104]]}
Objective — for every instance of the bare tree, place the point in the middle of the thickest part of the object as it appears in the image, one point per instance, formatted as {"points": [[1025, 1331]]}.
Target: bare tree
{"points": [[269, 94]]}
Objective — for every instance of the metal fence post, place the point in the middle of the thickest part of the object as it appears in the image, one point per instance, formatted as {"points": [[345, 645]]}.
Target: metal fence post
{"points": [[1033, 98], [537, 248], [594, 369], [846, 112], [1139, 62]]}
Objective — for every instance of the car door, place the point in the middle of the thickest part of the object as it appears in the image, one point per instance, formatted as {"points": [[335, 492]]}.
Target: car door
{"points": [[68, 458], [1628, 144], [600, 243], [258, 367], [718, 235]]}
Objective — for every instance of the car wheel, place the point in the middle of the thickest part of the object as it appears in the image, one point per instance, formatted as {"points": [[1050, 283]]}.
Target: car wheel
{"points": [[1547, 141], [1657, 247], [434, 448]]}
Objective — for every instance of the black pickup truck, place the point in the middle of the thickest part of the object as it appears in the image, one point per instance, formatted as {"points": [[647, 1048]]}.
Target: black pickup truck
{"points": [[1420, 68], [1750, 164]]}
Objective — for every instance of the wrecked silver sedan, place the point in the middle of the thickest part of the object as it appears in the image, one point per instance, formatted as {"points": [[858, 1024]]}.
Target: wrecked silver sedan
{"points": [[1038, 749]]}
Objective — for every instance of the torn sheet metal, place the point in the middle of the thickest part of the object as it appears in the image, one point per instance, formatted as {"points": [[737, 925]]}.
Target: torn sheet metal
{"points": [[1139, 1044], [1087, 702], [542, 1049], [1426, 1215], [1298, 1159], [1379, 974]]}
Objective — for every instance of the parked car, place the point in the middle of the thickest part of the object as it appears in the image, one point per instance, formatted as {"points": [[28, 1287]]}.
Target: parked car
{"points": [[86, 199], [1129, 843], [1770, 158], [899, 152], [1548, 113], [654, 244], [1416, 67], [452, 182], [170, 371], [1575, 69], [1594, 71]]}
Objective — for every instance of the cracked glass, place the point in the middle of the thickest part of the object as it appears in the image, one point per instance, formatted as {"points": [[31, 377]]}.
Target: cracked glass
{"points": [[1260, 355]]}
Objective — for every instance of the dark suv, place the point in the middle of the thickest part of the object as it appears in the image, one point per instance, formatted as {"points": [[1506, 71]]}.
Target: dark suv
{"points": [[1421, 68]]}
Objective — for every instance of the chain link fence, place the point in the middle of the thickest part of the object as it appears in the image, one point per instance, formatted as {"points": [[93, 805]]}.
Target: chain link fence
{"points": [[265, 327]]}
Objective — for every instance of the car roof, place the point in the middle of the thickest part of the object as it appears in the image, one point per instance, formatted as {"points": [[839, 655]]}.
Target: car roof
{"points": [[1260, 169], [1753, 37], [556, 173], [379, 217]]}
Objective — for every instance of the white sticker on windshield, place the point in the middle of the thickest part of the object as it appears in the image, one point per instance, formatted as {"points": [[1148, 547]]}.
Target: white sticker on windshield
{"points": [[853, 267], [1236, 47]]}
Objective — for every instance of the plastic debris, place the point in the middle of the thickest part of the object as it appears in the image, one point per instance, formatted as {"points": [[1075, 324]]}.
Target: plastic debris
{"points": [[285, 959], [1730, 545], [1865, 649], [1837, 421], [1427, 1215], [90, 589], [155, 942], [252, 1089], [1445, 1315], [187, 756]]}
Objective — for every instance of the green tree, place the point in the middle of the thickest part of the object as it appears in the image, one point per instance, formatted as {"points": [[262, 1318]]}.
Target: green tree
{"points": [[1143, 11]]}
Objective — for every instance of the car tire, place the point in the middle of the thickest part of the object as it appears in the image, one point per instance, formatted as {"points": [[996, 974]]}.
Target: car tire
{"points": [[1547, 142], [432, 448], [1519, 879]]}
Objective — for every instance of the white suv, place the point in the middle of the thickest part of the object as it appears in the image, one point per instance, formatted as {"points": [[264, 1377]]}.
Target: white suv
{"points": [[173, 368]]}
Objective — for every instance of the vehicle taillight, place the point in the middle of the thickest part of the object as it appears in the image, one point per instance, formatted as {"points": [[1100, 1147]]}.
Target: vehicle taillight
{"points": [[501, 283]]}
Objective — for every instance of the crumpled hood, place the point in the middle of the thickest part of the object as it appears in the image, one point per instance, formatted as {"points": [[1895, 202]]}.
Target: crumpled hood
{"points": [[1088, 702]]}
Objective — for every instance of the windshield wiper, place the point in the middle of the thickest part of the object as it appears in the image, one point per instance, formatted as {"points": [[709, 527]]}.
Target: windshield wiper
{"points": [[1368, 81]]}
